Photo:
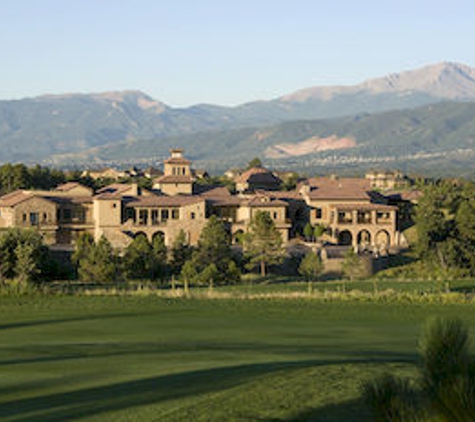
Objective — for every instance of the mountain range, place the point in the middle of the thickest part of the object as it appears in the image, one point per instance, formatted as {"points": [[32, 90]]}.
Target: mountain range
{"points": [[381, 116]]}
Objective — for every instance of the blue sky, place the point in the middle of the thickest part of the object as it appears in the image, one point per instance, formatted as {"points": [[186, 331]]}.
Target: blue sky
{"points": [[185, 52]]}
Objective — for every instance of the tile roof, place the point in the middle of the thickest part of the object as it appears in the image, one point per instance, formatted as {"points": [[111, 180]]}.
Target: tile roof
{"points": [[115, 188], [164, 201], [258, 175], [365, 207], [177, 160], [339, 188], [174, 179]]}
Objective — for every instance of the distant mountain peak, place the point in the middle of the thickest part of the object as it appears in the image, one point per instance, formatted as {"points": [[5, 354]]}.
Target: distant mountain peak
{"points": [[130, 96], [447, 80]]}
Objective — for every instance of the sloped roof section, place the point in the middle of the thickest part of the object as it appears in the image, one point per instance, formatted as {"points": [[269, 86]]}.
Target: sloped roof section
{"points": [[258, 175], [334, 188]]}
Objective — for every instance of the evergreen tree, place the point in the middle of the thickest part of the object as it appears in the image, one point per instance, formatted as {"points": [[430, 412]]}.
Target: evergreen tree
{"points": [[25, 245], [84, 244], [214, 247], [188, 275], [26, 266], [263, 243], [254, 163], [352, 266], [138, 261], [181, 252], [209, 275], [233, 274], [308, 232], [159, 256], [311, 268], [99, 265]]}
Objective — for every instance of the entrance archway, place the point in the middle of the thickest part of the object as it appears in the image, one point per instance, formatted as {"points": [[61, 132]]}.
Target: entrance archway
{"points": [[345, 238], [364, 238]]}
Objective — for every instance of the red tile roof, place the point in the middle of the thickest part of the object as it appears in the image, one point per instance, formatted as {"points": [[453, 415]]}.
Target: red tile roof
{"points": [[339, 188]]}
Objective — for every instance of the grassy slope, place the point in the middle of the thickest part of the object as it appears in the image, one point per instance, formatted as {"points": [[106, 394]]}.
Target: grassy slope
{"points": [[136, 359]]}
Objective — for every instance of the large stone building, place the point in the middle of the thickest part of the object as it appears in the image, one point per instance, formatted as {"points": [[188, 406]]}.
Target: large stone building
{"points": [[351, 212]]}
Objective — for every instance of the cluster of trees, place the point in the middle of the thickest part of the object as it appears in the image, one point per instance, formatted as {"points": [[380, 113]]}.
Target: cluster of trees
{"points": [[24, 257], [445, 224], [19, 176], [98, 262], [313, 233]]}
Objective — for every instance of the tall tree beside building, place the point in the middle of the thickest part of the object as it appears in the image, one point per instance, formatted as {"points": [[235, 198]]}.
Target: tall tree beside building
{"points": [[159, 250], [445, 224], [22, 254], [311, 267], [352, 265], [138, 260], [263, 242], [180, 253], [214, 247], [99, 265]]}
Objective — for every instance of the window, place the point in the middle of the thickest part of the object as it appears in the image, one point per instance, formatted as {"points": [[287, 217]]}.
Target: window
{"points": [[34, 218], [165, 215], [155, 217], [318, 213], [175, 214], [67, 214], [192, 215], [24, 217], [143, 217], [45, 216], [275, 215]]}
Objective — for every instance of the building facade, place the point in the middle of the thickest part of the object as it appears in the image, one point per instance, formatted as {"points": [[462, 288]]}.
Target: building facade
{"points": [[351, 212]]}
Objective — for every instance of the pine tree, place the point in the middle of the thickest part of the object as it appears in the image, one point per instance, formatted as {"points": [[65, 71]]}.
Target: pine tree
{"points": [[308, 232], [214, 247], [99, 265], [209, 275], [311, 268], [263, 243], [160, 257], [138, 260], [181, 252], [352, 266]]}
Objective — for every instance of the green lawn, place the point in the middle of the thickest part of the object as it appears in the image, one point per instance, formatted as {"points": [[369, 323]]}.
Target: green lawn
{"points": [[151, 359]]}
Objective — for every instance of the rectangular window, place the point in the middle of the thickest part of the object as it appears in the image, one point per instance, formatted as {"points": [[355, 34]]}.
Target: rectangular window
{"points": [[275, 215], [34, 218], [175, 214], [155, 219], [143, 217], [318, 213], [192, 215], [67, 214], [165, 215]]}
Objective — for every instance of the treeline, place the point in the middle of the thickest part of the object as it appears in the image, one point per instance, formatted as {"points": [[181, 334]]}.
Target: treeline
{"points": [[20, 176], [445, 225]]}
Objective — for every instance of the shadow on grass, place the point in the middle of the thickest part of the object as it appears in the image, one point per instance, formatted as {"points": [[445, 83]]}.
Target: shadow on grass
{"points": [[37, 323], [96, 400]]}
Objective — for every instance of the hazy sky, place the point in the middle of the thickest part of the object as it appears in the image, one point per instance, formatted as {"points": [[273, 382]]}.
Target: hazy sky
{"points": [[221, 51]]}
